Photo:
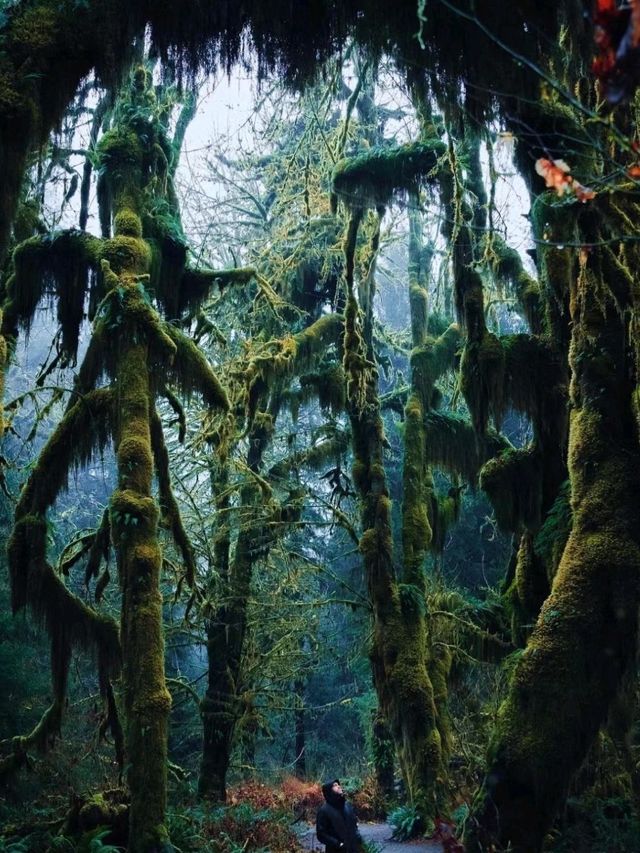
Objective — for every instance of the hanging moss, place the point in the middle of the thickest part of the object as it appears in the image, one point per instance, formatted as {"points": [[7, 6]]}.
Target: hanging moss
{"points": [[554, 226], [508, 268], [431, 360], [84, 430], [482, 380], [297, 353], [168, 260], [38, 76], [453, 446], [60, 269], [372, 178], [328, 385], [315, 457], [99, 551], [196, 284], [192, 373], [512, 484], [445, 510], [535, 384], [169, 509]]}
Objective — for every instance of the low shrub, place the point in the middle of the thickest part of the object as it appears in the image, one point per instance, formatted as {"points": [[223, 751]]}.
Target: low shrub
{"points": [[241, 827], [593, 823], [368, 800], [406, 823], [303, 798]]}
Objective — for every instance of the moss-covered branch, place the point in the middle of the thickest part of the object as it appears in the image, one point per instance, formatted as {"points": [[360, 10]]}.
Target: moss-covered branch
{"points": [[192, 373], [372, 178], [453, 446], [60, 269], [508, 268], [314, 458], [169, 509]]}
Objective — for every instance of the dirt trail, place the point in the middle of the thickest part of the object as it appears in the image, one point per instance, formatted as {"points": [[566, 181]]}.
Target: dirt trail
{"points": [[380, 833]]}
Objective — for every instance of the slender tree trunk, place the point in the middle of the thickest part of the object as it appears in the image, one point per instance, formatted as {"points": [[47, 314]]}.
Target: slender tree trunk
{"points": [[134, 518], [222, 707], [134, 523], [300, 763], [399, 653]]}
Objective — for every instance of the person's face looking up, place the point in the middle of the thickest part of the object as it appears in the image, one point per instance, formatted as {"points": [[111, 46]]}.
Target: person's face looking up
{"points": [[336, 788]]}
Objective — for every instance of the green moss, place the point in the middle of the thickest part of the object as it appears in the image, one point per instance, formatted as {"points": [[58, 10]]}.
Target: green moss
{"points": [[452, 445], [328, 385], [59, 270], [419, 310], [412, 599], [127, 223], [121, 157], [372, 178], [84, 431], [513, 485], [439, 667], [551, 539], [192, 373], [445, 510], [508, 268], [126, 254], [431, 360], [299, 354], [417, 484], [35, 30], [482, 380]]}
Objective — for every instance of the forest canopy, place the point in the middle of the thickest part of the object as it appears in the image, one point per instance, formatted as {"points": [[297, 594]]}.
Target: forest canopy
{"points": [[319, 417]]}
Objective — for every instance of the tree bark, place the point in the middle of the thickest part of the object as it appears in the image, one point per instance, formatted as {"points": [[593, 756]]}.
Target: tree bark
{"points": [[585, 638]]}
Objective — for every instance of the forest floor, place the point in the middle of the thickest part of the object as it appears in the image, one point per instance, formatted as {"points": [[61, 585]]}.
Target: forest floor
{"points": [[380, 833]]}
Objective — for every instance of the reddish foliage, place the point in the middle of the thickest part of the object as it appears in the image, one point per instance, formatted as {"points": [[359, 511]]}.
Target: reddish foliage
{"points": [[303, 798], [617, 39], [556, 176], [299, 798], [445, 835], [369, 802], [258, 796]]}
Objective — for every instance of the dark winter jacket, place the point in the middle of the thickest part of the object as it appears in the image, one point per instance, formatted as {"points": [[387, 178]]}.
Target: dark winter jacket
{"points": [[336, 823]]}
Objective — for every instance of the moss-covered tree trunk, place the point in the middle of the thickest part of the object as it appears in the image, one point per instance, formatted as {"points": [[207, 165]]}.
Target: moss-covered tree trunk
{"points": [[585, 638], [134, 519], [399, 655], [222, 705], [134, 523]]}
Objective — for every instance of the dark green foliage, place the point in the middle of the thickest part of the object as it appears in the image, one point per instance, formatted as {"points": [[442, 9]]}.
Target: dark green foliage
{"points": [[406, 823], [553, 534], [592, 823]]}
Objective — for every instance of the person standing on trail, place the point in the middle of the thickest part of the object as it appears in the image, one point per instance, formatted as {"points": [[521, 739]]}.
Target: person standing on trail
{"points": [[336, 823]]}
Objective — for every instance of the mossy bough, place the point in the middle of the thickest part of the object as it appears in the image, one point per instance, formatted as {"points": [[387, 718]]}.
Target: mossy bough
{"points": [[372, 178]]}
